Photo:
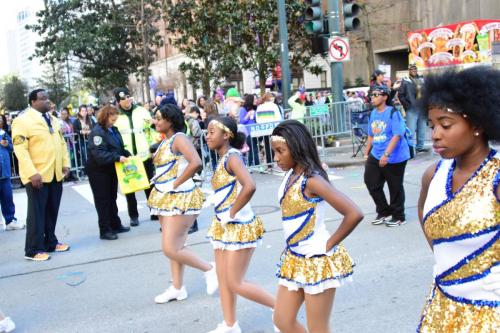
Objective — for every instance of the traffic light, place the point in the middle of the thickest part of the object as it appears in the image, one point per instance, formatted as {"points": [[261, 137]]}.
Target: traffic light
{"points": [[314, 17], [351, 10]]}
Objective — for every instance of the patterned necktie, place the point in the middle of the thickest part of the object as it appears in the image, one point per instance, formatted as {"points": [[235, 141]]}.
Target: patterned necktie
{"points": [[46, 116]]}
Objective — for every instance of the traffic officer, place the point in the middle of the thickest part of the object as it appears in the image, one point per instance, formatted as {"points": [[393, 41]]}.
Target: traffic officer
{"points": [[105, 147], [43, 163], [134, 124]]}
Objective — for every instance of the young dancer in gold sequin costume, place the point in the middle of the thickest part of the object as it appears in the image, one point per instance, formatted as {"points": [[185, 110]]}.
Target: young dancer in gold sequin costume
{"points": [[236, 230], [177, 200], [459, 205], [313, 263]]}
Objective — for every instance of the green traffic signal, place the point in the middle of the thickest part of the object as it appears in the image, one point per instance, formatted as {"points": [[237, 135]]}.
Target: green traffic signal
{"points": [[351, 10], [314, 17]]}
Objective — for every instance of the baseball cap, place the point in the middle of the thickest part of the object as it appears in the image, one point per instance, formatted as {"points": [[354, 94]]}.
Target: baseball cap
{"points": [[412, 66], [382, 88], [121, 93]]}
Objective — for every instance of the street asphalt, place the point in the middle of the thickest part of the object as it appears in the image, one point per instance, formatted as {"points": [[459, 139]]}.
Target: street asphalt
{"points": [[109, 286]]}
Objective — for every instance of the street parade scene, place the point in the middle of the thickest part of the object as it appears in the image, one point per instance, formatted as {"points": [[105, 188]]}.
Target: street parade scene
{"points": [[295, 166]]}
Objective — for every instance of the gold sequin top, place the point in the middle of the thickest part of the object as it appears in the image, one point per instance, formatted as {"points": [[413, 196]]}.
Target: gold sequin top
{"points": [[226, 188], [302, 216], [464, 227], [169, 166]]}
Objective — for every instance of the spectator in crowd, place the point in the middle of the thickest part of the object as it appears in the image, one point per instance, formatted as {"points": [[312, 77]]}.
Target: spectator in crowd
{"points": [[218, 99], [82, 126], [6, 324], [91, 113], [200, 102], [386, 155], [43, 163], [134, 123], [267, 111], [247, 117], [211, 112], [409, 92], [104, 149], [320, 98], [309, 99], [6, 196], [232, 103], [298, 108], [67, 131]]}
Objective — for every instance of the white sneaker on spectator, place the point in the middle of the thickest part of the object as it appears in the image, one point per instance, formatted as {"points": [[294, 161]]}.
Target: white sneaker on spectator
{"points": [[211, 279], [172, 294], [15, 225], [223, 328], [7, 325]]}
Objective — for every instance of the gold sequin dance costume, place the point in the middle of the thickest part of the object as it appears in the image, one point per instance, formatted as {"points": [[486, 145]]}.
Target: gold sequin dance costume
{"points": [[247, 229], [303, 224], [187, 199], [464, 227]]}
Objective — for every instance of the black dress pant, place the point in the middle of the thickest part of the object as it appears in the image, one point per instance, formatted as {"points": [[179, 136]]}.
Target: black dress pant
{"points": [[104, 185], [375, 178], [43, 207], [131, 200]]}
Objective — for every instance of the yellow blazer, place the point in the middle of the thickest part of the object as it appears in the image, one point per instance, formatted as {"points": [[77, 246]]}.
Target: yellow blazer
{"points": [[38, 150]]}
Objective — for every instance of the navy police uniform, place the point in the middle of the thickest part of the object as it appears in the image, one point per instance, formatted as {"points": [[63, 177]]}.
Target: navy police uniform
{"points": [[104, 148]]}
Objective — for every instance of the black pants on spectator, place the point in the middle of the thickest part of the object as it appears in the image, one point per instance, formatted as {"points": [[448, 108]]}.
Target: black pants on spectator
{"points": [[43, 207], [375, 178], [253, 153], [131, 200], [104, 185]]}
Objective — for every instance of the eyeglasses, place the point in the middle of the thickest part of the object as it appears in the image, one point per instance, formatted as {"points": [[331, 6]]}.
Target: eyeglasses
{"points": [[376, 94]]}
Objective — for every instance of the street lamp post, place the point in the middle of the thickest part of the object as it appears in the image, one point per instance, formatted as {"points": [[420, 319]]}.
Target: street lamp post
{"points": [[285, 68]]}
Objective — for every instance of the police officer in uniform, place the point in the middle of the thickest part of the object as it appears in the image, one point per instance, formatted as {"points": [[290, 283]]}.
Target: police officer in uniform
{"points": [[134, 124], [105, 147], [43, 164]]}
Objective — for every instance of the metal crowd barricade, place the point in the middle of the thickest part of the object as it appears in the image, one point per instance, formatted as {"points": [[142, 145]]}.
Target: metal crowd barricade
{"points": [[322, 121], [77, 149]]}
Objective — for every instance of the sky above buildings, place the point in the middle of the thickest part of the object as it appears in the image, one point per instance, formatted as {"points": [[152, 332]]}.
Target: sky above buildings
{"points": [[8, 12]]}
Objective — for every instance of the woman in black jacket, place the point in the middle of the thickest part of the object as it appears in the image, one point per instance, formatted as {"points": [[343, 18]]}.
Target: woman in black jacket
{"points": [[105, 147]]}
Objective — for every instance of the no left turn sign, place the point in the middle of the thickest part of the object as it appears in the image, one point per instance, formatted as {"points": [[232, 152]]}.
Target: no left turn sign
{"points": [[339, 49]]}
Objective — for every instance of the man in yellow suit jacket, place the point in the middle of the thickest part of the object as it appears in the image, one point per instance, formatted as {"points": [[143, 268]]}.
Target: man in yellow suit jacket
{"points": [[43, 164]]}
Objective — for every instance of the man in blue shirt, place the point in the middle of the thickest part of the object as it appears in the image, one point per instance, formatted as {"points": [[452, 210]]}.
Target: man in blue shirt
{"points": [[386, 155]]}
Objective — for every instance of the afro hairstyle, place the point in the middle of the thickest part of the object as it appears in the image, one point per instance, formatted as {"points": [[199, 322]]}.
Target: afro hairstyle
{"points": [[473, 92]]}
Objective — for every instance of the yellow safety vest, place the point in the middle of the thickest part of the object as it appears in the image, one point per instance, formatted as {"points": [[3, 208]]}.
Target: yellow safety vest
{"points": [[135, 127]]}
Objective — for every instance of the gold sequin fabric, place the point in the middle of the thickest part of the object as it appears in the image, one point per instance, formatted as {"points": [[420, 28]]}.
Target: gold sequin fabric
{"points": [[165, 159], [317, 273], [473, 209], [249, 229], [172, 203], [169, 204], [236, 235], [303, 224], [443, 315], [465, 234]]}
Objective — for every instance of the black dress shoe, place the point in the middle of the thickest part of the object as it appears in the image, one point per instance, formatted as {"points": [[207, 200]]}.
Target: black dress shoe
{"points": [[154, 217], [422, 150], [121, 229], [109, 236], [134, 221]]}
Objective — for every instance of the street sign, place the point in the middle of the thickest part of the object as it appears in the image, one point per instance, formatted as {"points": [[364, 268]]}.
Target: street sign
{"points": [[318, 110], [338, 49], [263, 129]]}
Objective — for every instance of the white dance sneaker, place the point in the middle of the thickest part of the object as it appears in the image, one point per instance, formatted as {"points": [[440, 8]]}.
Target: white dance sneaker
{"points": [[211, 279], [172, 294], [223, 328], [7, 325]]}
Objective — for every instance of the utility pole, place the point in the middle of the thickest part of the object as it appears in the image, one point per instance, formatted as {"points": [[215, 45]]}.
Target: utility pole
{"points": [[336, 74], [285, 67], [145, 55]]}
